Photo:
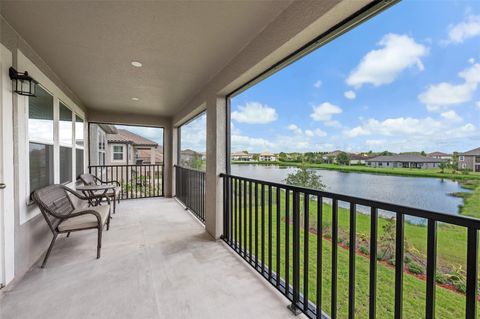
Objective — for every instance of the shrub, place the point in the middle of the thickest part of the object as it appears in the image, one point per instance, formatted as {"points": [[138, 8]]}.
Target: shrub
{"points": [[461, 286], [364, 250], [441, 279], [415, 268]]}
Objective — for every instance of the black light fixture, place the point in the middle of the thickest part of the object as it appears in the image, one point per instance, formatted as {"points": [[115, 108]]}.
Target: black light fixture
{"points": [[23, 83]]}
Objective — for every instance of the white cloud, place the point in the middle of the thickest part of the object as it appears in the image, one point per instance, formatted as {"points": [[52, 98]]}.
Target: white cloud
{"points": [[318, 132], [445, 94], [309, 133], [350, 95], [471, 60], [295, 129], [375, 142], [477, 104], [242, 142], [464, 30], [383, 66], [357, 131], [325, 111], [451, 116], [255, 113], [317, 84], [194, 134], [333, 123]]}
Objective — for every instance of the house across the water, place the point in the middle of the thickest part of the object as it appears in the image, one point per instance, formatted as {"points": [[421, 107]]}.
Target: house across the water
{"points": [[470, 160], [405, 161]]}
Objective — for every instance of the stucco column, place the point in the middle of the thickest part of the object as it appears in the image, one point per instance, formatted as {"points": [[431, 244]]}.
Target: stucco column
{"points": [[216, 165], [175, 145], [167, 161]]}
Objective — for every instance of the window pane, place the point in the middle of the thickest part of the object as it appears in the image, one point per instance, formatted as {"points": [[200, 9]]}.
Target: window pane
{"points": [[79, 161], [65, 164], [79, 131], [41, 165], [65, 125], [40, 116]]}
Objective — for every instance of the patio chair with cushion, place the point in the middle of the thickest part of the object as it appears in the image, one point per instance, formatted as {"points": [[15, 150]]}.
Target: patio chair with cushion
{"points": [[114, 193], [62, 217]]}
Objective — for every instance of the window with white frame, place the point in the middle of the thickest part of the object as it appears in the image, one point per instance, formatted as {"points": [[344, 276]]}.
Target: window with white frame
{"points": [[40, 139], [117, 152], [65, 126], [101, 139], [79, 145]]}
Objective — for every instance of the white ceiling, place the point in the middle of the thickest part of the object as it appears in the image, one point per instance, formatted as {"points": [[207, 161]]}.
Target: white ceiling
{"points": [[182, 45]]}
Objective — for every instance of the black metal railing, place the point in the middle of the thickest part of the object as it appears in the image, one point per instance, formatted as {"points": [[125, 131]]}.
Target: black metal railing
{"points": [[136, 181], [190, 190], [269, 225]]}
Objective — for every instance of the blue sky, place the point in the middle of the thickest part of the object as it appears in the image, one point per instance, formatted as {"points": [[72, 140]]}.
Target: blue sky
{"points": [[407, 80]]}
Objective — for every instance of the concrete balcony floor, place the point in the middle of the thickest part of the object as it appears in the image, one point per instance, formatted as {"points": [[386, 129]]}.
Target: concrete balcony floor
{"points": [[157, 262]]}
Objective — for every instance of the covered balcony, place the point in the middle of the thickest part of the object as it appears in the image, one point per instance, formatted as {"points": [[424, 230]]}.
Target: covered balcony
{"points": [[183, 242]]}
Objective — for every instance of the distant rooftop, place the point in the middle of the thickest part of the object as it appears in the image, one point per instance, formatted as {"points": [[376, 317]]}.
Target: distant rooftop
{"points": [[474, 152], [406, 158], [127, 137]]}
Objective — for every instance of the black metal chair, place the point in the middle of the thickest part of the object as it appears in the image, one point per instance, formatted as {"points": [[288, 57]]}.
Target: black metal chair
{"points": [[114, 193], [62, 217]]}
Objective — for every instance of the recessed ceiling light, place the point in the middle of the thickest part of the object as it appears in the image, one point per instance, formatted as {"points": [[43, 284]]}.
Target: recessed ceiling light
{"points": [[135, 99], [136, 64]]}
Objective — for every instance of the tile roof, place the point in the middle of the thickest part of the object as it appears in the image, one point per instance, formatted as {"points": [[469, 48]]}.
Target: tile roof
{"points": [[474, 152], [405, 158], [127, 137]]}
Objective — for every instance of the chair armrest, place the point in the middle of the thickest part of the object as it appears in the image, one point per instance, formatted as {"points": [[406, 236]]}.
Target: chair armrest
{"points": [[105, 182], [77, 194]]}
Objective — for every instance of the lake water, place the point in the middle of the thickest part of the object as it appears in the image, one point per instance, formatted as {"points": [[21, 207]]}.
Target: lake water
{"points": [[426, 193]]}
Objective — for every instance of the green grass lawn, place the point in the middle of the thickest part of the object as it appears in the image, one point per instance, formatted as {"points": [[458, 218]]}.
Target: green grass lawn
{"points": [[451, 250]]}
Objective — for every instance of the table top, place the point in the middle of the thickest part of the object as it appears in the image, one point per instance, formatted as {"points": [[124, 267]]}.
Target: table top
{"points": [[94, 187]]}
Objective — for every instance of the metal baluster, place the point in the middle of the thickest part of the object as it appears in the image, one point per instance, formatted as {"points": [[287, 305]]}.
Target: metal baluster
{"points": [[306, 234], [277, 236], [296, 253], [351, 258], [319, 256], [373, 263], [399, 258], [250, 235], [256, 225], [270, 232], [334, 259], [472, 274], [287, 241], [431, 268], [262, 200]]}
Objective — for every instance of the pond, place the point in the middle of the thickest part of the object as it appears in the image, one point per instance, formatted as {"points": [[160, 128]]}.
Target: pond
{"points": [[425, 193]]}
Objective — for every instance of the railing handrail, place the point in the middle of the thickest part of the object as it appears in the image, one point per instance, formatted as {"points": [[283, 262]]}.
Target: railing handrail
{"points": [[125, 165], [189, 168], [458, 220]]}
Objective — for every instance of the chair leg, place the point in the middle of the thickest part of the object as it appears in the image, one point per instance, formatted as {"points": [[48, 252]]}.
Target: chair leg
{"points": [[99, 244], [108, 222], [68, 234], [49, 250]]}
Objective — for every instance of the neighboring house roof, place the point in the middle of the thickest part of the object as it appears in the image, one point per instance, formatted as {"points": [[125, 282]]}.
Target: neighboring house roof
{"points": [[127, 137], [266, 154], [145, 154], [406, 158], [241, 153], [474, 152], [188, 152], [437, 154], [334, 153], [109, 129], [360, 157]]}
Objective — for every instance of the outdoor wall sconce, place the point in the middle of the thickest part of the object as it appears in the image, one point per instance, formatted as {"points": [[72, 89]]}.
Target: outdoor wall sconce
{"points": [[23, 83]]}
